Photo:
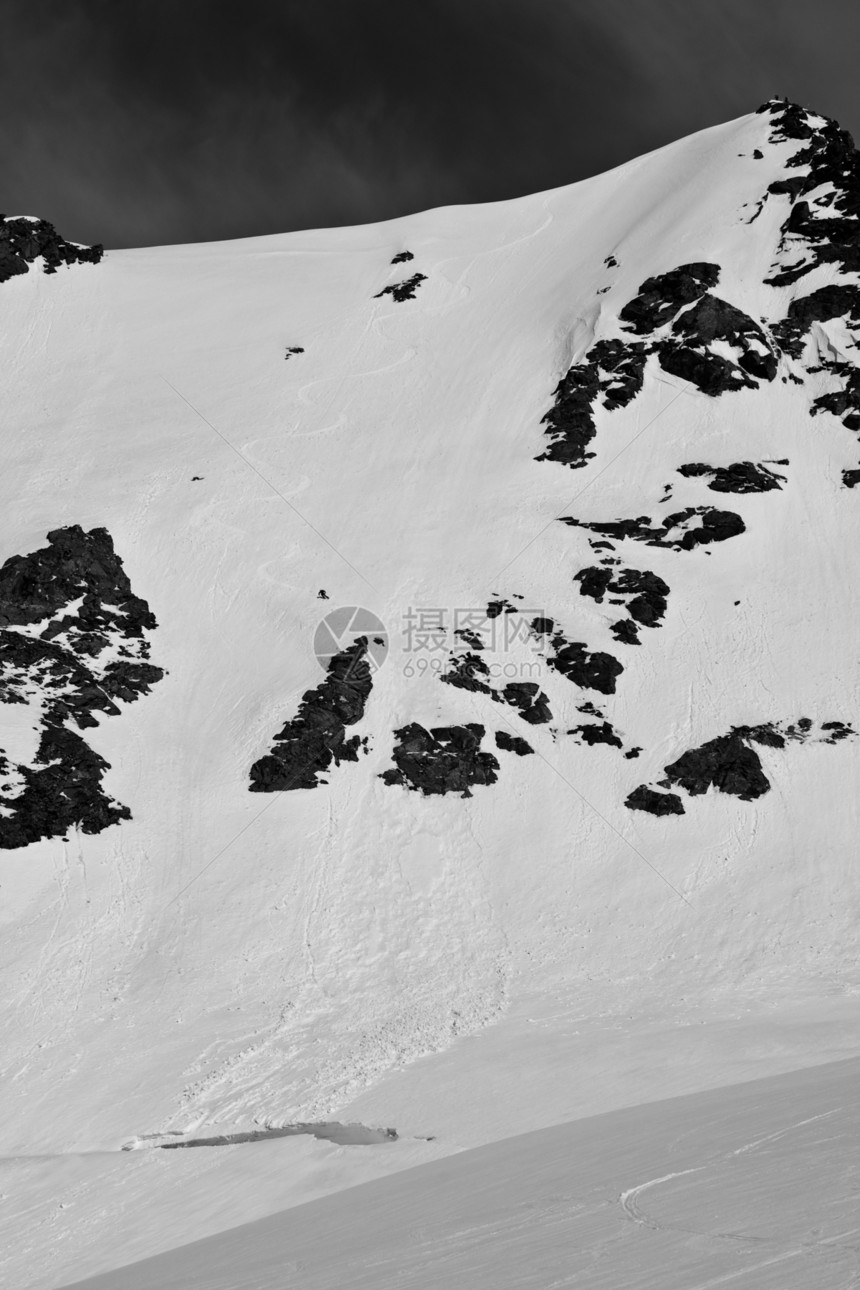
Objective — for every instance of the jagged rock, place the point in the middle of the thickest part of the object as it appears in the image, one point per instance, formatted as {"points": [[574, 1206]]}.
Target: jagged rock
{"points": [[529, 700], [75, 564], [661, 297], [713, 374], [712, 319], [836, 731], [626, 632], [445, 759], [589, 709], [822, 228], [648, 799], [316, 737], [851, 478], [571, 658], [646, 591], [497, 607], [62, 790], [402, 257], [844, 403], [826, 223], [836, 301], [713, 526], [61, 669], [612, 369], [739, 477], [23, 240], [512, 743], [469, 672], [727, 763], [594, 582], [594, 734], [403, 290]]}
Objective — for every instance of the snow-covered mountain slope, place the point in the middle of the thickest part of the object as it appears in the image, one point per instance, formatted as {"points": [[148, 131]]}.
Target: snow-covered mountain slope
{"points": [[584, 461], [695, 1191]]}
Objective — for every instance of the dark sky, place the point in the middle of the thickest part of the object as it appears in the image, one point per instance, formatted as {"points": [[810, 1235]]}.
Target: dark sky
{"points": [[139, 122]]}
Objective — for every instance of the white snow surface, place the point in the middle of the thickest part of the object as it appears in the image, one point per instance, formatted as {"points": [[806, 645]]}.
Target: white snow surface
{"points": [[462, 970], [686, 1194]]}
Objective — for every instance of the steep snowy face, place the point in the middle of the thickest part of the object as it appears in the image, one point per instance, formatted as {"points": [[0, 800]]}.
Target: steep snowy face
{"points": [[486, 581]]}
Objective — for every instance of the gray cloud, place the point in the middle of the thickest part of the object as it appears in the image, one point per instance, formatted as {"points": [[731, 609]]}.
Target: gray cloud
{"points": [[152, 121]]}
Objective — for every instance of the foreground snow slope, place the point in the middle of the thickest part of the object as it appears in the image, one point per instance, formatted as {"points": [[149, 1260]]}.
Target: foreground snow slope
{"points": [[224, 958], [689, 1193]]}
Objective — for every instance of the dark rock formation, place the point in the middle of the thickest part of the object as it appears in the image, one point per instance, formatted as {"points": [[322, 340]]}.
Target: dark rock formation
{"points": [[712, 319], [403, 290], [316, 737], [836, 730], [61, 791], [24, 240], [612, 372], [470, 638], [851, 478], [730, 763], [739, 477], [496, 607], [726, 763], [596, 671], [821, 228], [469, 672], [625, 632], [402, 257], [294, 349], [644, 592], [825, 198], [62, 668], [74, 565], [660, 298], [529, 700], [512, 743], [682, 530], [648, 799], [594, 734], [445, 759]]}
